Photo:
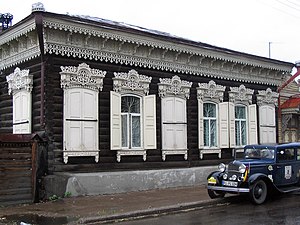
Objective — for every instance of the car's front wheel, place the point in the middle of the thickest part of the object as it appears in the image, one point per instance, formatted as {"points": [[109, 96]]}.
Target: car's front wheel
{"points": [[258, 192], [215, 194]]}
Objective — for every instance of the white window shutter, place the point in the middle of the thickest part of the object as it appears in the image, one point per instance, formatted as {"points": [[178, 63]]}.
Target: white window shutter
{"points": [[115, 121], [72, 132], [231, 125], [81, 123], [200, 124], [223, 125], [181, 126], [90, 120], [252, 127], [174, 127], [150, 122], [168, 126], [267, 124], [22, 112]]}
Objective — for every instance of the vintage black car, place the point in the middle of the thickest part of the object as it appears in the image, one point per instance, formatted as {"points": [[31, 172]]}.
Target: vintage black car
{"points": [[262, 169]]}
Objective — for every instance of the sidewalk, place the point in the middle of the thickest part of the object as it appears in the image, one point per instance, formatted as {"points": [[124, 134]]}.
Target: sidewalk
{"points": [[89, 209]]}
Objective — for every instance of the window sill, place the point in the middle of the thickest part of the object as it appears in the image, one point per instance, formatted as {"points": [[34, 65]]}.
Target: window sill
{"points": [[131, 152], [212, 150]]}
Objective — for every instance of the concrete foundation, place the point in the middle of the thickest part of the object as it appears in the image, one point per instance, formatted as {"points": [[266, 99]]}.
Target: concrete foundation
{"points": [[80, 184]]}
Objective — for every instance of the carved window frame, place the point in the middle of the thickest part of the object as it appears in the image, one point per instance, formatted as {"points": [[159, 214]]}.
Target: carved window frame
{"points": [[134, 84], [209, 93], [174, 87], [20, 84], [80, 78]]}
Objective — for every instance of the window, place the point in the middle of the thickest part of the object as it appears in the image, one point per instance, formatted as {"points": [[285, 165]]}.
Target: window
{"points": [[174, 93], [285, 154], [267, 101], [81, 92], [20, 85], [240, 125], [132, 115], [210, 124], [131, 122]]}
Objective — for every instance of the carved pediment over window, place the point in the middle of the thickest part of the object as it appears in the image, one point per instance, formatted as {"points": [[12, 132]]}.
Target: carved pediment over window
{"points": [[210, 91], [174, 86], [19, 80], [241, 94], [82, 76], [131, 82], [267, 97]]}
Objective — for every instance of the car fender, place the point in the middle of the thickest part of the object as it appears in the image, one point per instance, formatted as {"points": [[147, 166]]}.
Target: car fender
{"points": [[214, 174], [260, 176]]}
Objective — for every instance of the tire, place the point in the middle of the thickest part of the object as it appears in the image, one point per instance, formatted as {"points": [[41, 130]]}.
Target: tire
{"points": [[258, 192], [215, 194]]}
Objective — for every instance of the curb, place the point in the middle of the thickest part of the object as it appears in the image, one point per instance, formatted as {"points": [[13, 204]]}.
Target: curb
{"points": [[150, 212]]}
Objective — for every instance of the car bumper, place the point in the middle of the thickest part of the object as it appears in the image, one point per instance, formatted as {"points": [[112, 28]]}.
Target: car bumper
{"points": [[228, 189]]}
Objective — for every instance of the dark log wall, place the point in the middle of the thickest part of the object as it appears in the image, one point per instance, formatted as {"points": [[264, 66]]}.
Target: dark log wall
{"points": [[6, 108], [49, 119], [54, 122]]}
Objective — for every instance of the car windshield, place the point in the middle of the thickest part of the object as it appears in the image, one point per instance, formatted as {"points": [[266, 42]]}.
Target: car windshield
{"points": [[259, 153]]}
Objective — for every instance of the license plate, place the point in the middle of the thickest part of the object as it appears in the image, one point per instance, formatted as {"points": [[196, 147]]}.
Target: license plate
{"points": [[230, 183]]}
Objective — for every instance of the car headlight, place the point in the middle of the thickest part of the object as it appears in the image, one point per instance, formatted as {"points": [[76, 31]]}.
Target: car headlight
{"points": [[222, 167], [242, 168]]}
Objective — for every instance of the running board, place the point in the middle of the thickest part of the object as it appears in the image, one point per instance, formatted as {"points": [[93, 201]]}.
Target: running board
{"points": [[289, 189]]}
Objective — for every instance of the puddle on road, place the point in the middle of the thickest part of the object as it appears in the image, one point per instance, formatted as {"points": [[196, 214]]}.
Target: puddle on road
{"points": [[33, 219]]}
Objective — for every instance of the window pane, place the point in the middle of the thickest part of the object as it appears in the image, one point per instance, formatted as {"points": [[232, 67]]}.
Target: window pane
{"points": [[136, 131], [124, 131], [130, 104], [243, 133], [213, 132], [237, 133], [209, 110], [240, 112], [206, 132]]}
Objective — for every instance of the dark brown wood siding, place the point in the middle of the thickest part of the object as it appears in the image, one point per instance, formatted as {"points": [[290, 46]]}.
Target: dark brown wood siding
{"points": [[54, 122]]}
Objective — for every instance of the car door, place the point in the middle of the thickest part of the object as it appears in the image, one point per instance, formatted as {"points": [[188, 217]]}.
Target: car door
{"points": [[285, 169]]}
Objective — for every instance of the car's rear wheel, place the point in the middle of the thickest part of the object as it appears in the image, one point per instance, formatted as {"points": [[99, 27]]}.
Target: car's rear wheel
{"points": [[215, 194], [258, 192]]}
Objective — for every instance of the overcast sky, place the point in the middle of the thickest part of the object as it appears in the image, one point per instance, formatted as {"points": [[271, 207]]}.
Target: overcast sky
{"points": [[249, 26]]}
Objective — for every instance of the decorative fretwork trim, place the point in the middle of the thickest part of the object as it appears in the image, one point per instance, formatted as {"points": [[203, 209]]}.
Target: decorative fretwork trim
{"points": [[210, 91], [131, 82], [241, 94], [16, 32], [20, 57], [82, 76], [174, 87], [19, 80], [122, 37], [267, 97], [285, 120], [144, 62]]}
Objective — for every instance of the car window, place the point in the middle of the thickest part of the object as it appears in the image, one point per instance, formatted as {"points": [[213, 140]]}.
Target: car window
{"points": [[298, 153], [285, 154]]}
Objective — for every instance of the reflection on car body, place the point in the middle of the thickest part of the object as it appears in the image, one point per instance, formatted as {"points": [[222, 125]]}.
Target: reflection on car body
{"points": [[263, 168]]}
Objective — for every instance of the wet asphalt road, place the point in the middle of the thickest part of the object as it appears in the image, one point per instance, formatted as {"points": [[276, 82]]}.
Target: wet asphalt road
{"points": [[283, 210]]}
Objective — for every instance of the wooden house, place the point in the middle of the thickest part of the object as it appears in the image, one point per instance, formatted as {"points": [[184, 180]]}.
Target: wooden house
{"points": [[109, 96]]}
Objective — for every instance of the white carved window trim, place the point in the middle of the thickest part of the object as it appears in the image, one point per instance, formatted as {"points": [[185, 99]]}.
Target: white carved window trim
{"points": [[20, 86], [267, 102], [242, 96], [86, 82], [212, 93], [135, 84], [174, 88]]}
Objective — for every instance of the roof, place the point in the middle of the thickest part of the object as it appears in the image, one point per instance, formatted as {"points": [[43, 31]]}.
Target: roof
{"points": [[293, 102]]}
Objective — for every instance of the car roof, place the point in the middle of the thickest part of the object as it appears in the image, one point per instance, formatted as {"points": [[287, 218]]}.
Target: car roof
{"points": [[285, 145]]}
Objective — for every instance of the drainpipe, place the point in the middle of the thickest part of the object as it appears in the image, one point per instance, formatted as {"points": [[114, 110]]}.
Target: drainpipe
{"points": [[297, 65]]}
